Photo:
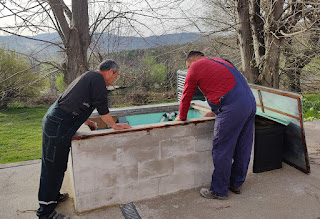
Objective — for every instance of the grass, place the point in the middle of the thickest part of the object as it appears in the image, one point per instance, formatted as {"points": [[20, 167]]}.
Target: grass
{"points": [[21, 133], [311, 107]]}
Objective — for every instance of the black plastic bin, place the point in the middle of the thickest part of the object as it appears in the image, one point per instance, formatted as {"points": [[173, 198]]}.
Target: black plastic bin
{"points": [[268, 145]]}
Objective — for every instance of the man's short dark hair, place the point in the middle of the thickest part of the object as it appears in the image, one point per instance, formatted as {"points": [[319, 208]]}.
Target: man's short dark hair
{"points": [[193, 54], [109, 64]]}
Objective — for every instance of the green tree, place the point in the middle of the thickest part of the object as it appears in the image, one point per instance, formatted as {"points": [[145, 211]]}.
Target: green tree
{"points": [[17, 81], [154, 73], [158, 75]]}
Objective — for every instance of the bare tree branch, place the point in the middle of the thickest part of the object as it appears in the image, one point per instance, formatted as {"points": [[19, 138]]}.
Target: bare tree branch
{"points": [[30, 38], [58, 11]]}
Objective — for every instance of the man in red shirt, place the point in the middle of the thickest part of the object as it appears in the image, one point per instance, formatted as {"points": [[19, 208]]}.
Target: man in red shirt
{"points": [[233, 103]]}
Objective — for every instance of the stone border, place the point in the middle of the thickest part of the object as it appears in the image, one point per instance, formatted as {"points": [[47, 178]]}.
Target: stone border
{"points": [[21, 163]]}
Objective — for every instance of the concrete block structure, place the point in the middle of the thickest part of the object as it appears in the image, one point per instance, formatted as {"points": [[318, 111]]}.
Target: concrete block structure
{"points": [[119, 166]]}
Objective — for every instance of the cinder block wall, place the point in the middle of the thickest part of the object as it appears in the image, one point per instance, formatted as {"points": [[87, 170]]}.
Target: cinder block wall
{"points": [[120, 168]]}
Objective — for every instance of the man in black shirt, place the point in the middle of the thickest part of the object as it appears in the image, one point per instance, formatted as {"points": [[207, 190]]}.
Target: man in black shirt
{"points": [[60, 123]]}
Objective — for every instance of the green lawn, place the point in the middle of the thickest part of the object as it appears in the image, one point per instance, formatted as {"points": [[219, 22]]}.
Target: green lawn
{"points": [[21, 133]]}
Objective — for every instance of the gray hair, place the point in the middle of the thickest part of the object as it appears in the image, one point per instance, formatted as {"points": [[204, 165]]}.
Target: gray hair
{"points": [[109, 64]]}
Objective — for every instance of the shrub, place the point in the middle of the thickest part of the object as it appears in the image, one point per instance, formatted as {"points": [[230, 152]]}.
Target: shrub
{"points": [[311, 107], [16, 79]]}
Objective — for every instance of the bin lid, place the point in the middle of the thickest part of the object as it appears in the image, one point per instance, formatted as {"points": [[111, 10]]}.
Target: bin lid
{"points": [[285, 108]]}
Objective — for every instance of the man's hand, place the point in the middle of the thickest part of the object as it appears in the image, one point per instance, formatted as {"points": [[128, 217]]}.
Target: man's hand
{"points": [[107, 118], [91, 124], [178, 118], [209, 114], [119, 126]]}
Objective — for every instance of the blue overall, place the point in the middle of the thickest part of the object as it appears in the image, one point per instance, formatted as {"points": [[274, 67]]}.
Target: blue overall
{"points": [[233, 135], [58, 129]]}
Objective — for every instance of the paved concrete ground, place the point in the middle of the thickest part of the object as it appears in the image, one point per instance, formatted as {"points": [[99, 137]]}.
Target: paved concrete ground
{"points": [[283, 193]]}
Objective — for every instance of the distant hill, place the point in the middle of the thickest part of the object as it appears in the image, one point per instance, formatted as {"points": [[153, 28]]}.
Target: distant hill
{"points": [[110, 43]]}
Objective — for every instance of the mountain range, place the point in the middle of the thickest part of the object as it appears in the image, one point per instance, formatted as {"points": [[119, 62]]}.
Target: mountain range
{"points": [[110, 43]]}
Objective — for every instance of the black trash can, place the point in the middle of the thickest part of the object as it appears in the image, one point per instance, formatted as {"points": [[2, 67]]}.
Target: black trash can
{"points": [[268, 145]]}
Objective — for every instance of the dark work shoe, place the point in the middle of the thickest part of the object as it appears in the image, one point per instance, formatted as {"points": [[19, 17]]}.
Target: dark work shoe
{"points": [[235, 190], [206, 193], [63, 197], [55, 215]]}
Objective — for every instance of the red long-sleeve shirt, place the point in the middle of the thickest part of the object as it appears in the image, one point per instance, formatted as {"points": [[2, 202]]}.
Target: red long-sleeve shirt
{"points": [[213, 79]]}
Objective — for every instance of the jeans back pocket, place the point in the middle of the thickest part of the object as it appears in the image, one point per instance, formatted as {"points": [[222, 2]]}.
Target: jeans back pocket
{"points": [[52, 125]]}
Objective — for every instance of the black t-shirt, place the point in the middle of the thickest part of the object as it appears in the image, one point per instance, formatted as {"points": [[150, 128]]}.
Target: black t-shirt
{"points": [[85, 93]]}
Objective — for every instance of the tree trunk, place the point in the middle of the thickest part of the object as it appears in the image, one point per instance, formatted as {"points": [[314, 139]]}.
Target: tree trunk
{"points": [[270, 73], [74, 34], [295, 86], [76, 57], [257, 25], [249, 68], [78, 42]]}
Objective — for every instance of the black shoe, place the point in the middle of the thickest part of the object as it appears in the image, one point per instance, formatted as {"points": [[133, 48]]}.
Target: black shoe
{"points": [[235, 190], [206, 193], [54, 215], [62, 197]]}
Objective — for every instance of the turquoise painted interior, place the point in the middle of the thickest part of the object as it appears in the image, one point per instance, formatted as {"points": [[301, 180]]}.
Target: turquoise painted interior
{"points": [[150, 118]]}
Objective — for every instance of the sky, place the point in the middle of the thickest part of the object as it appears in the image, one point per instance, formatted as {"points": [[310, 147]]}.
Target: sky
{"points": [[173, 14]]}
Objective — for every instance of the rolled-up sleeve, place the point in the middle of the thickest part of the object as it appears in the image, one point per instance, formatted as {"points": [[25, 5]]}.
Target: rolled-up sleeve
{"points": [[100, 96]]}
